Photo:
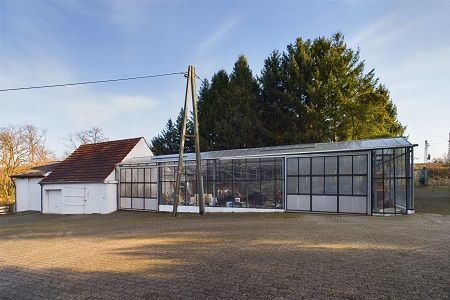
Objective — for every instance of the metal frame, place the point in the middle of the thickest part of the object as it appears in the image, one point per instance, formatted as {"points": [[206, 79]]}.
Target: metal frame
{"points": [[218, 163], [324, 175], [408, 177], [151, 182]]}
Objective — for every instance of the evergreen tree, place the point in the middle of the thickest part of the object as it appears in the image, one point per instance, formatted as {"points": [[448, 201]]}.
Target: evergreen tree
{"points": [[166, 142], [213, 106], [315, 91]]}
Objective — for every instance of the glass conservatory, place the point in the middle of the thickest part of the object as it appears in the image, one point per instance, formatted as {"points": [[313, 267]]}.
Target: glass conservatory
{"points": [[362, 177]]}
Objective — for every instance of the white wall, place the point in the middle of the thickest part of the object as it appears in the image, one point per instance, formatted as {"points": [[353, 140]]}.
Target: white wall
{"points": [[28, 194], [210, 209], [82, 198]]}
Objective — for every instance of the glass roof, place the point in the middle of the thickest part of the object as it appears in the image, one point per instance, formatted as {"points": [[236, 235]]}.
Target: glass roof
{"points": [[399, 142]]}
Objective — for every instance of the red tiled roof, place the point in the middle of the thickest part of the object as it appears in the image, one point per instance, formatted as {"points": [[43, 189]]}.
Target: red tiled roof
{"points": [[91, 162]]}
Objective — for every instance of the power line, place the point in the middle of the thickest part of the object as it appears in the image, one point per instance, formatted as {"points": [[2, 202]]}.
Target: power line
{"points": [[91, 82]]}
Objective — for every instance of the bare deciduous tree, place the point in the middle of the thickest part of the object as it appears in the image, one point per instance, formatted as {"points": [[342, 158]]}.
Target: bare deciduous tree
{"points": [[21, 147], [92, 135]]}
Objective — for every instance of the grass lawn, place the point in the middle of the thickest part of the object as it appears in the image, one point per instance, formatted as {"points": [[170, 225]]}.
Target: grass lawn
{"points": [[432, 199]]}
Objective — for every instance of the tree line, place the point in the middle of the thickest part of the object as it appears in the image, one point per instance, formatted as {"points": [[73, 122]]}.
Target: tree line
{"points": [[23, 147], [315, 91]]}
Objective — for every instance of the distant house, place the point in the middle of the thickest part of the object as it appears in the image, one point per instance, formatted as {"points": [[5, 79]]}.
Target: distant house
{"points": [[28, 190], [86, 181]]}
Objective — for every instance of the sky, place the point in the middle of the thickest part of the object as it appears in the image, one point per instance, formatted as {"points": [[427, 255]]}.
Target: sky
{"points": [[51, 42]]}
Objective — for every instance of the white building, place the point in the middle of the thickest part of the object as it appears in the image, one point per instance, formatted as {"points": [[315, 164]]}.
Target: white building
{"points": [[86, 182], [27, 188]]}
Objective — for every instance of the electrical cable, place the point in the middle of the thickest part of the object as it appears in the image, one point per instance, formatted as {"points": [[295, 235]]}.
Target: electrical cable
{"points": [[91, 82]]}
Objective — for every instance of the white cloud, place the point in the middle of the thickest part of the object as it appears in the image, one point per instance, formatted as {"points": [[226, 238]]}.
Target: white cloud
{"points": [[104, 111], [217, 35], [383, 31]]}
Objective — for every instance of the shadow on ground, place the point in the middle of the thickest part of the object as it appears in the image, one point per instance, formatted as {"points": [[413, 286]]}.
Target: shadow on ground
{"points": [[144, 255]]}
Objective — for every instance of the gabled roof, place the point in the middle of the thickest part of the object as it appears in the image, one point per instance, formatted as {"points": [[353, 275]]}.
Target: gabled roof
{"points": [[38, 171], [91, 162]]}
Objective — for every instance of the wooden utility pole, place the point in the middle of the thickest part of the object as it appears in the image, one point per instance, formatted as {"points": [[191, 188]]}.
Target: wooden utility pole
{"points": [[190, 85]]}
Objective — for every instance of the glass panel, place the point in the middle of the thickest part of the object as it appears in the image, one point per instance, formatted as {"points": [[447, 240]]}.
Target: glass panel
{"points": [[167, 193], [254, 194], [388, 163], [359, 185], [122, 190], [153, 190], [378, 197], [168, 173], [345, 185], [304, 185], [268, 169], [331, 165], [122, 175], [317, 185], [292, 185], [211, 171], [279, 173], [331, 185], [191, 193], [360, 164], [140, 175], [134, 175], [128, 175], [240, 193], [128, 190], [292, 166], [400, 163], [279, 193], [317, 165], [304, 166], [345, 165], [268, 194], [147, 190], [400, 195], [154, 174], [140, 190], [147, 175], [239, 169], [224, 193], [226, 170], [389, 196], [378, 164], [253, 169], [134, 190]]}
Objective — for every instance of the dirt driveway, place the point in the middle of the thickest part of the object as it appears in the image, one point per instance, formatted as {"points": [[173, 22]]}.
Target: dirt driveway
{"points": [[147, 255]]}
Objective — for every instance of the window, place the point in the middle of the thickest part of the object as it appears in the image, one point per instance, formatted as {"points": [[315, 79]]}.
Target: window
{"points": [[138, 183], [392, 181], [328, 175], [240, 183]]}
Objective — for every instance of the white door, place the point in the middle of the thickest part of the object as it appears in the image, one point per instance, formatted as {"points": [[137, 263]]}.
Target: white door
{"points": [[54, 201]]}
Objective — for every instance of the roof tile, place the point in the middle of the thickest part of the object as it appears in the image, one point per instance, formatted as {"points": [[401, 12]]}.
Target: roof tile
{"points": [[91, 162]]}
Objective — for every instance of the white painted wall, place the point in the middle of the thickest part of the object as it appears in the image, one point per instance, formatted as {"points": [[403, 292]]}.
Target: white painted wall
{"points": [[210, 209], [28, 194], [81, 198]]}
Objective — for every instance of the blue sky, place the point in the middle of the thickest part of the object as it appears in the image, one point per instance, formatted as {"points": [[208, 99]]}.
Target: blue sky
{"points": [[44, 42]]}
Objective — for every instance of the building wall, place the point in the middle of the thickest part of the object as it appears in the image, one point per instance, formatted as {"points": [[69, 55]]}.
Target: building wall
{"points": [[28, 194], [80, 198]]}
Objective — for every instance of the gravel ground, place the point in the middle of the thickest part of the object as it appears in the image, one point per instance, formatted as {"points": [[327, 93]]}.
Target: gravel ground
{"points": [[148, 255]]}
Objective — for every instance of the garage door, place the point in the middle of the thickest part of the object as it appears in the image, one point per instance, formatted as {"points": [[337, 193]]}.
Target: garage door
{"points": [[54, 201], [337, 183]]}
